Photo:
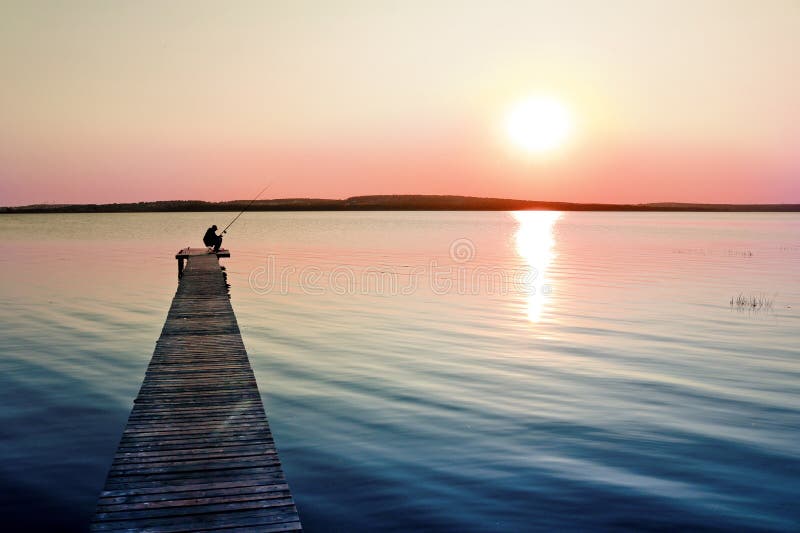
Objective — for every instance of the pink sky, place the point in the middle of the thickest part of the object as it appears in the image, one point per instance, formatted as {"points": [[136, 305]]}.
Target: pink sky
{"points": [[194, 100], [633, 174]]}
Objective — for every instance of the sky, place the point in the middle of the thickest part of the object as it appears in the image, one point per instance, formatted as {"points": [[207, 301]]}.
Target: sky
{"points": [[671, 101]]}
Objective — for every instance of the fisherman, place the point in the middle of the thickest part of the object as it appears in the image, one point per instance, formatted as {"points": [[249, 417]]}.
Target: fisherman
{"points": [[212, 239]]}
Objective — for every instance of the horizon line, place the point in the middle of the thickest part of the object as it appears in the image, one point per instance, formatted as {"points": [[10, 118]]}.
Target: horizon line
{"points": [[393, 202]]}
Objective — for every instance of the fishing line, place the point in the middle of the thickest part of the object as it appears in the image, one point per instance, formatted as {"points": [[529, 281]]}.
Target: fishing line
{"points": [[248, 206]]}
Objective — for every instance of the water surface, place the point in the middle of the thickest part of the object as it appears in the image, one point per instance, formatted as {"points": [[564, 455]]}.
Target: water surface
{"points": [[452, 371]]}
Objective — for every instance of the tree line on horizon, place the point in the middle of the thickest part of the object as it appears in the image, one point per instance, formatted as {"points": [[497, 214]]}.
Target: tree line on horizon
{"points": [[385, 203]]}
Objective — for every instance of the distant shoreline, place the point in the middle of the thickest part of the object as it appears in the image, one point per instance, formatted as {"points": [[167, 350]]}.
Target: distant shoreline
{"points": [[388, 203]]}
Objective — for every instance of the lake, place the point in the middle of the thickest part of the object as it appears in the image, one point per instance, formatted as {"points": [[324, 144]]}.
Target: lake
{"points": [[451, 371]]}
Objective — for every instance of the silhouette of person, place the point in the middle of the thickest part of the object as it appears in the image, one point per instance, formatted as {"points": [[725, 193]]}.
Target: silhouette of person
{"points": [[212, 239]]}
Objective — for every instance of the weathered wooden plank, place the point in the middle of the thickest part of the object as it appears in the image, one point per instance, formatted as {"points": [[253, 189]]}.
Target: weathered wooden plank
{"points": [[195, 465], [179, 443], [195, 501], [234, 424], [217, 451], [156, 430], [244, 522], [194, 424], [187, 401], [275, 506], [206, 424], [199, 491], [268, 477], [142, 409], [187, 421], [145, 457], [277, 511], [211, 416], [197, 453]]}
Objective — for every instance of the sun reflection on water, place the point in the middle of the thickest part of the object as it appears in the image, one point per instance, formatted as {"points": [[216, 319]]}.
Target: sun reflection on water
{"points": [[534, 244]]}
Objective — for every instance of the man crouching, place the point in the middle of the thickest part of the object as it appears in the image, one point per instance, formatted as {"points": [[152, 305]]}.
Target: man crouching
{"points": [[212, 239]]}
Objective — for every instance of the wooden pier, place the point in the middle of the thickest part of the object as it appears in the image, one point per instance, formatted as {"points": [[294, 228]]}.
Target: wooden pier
{"points": [[197, 453]]}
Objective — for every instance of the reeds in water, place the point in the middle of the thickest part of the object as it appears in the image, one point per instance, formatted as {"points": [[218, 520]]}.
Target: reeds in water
{"points": [[756, 302]]}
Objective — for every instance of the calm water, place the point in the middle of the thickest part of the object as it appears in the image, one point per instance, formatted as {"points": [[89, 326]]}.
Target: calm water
{"points": [[448, 371]]}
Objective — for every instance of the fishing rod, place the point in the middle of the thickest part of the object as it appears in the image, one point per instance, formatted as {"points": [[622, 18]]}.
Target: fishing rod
{"points": [[248, 206]]}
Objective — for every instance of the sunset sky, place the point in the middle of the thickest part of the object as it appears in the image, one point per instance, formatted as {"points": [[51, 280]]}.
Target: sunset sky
{"points": [[111, 101]]}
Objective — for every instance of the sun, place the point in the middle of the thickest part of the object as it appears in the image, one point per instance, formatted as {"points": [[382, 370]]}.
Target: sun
{"points": [[539, 124]]}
